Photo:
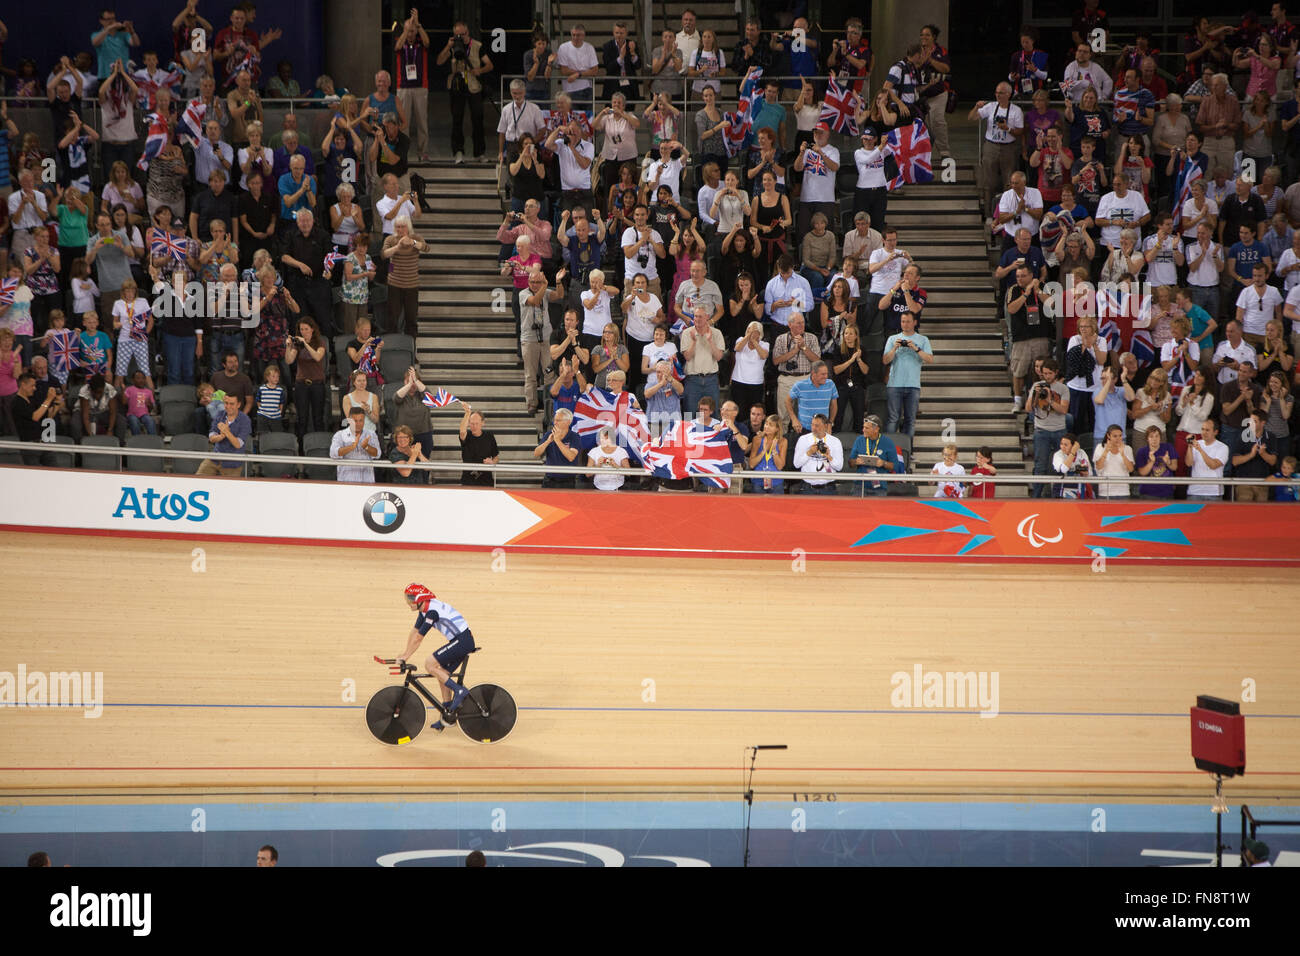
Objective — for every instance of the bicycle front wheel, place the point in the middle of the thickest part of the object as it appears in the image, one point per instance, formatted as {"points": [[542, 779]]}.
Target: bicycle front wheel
{"points": [[395, 715], [488, 714]]}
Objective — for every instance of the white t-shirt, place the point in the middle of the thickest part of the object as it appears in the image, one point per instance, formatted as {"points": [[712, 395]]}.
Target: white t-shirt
{"points": [[620, 460], [706, 61], [1162, 270], [820, 187], [30, 218], [1189, 213], [242, 157], [750, 365], [576, 59], [1008, 203], [1219, 452], [1257, 308], [1205, 274], [632, 266], [385, 205], [640, 317], [883, 279], [1242, 352], [948, 489], [1128, 210], [139, 309], [572, 175], [1112, 467], [871, 168], [1013, 115], [1291, 279], [810, 463], [672, 176], [1079, 383], [688, 44], [660, 353], [595, 320]]}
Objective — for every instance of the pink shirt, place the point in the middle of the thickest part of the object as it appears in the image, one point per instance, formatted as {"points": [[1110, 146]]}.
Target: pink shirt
{"points": [[522, 267], [138, 401], [8, 384]]}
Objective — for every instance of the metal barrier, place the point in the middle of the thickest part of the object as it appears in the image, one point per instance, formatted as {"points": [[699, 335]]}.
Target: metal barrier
{"points": [[537, 469]]}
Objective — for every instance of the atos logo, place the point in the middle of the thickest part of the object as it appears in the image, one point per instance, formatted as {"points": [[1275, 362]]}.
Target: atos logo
{"points": [[157, 506]]}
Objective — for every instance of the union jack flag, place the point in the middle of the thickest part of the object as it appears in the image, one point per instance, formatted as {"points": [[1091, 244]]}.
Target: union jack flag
{"points": [[366, 361], [1109, 329], [93, 359], [192, 122], [249, 61], [7, 289], [150, 85], [737, 131], [1067, 85], [158, 137], [1193, 173], [910, 147], [751, 91], [1126, 105], [439, 399], [1142, 348], [838, 107], [598, 408], [684, 452], [136, 322], [165, 244], [63, 351], [331, 260], [814, 163]]}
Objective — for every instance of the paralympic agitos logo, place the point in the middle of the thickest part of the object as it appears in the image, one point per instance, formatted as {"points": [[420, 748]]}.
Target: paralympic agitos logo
{"points": [[155, 506]]}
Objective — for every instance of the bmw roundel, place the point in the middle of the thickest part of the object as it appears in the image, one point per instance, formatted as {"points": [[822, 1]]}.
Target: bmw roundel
{"points": [[383, 512]]}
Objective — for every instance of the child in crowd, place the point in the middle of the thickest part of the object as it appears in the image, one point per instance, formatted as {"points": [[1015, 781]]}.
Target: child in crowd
{"points": [[96, 347], [270, 401], [1288, 483], [16, 310], [663, 397], [140, 403], [61, 346], [983, 466], [366, 347], [133, 322], [84, 290], [608, 455], [949, 468], [203, 416], [1073, 461]]}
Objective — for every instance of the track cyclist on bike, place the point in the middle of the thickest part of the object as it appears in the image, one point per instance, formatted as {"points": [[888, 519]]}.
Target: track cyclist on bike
{"points": [[460, 642]]}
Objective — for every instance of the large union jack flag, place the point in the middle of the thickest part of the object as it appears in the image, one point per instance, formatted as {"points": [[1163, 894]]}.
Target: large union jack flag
{"points": [[7, 289], [439, 399], [599, 408], [191, 125], [64, 353], [165, 244], [838, 107], [367, 361], [1143, 348], [737, 131], [814, 163], [1185, 194], [683, 451], [159, 134], [1126, 105], [910, 147], [149, 85]]}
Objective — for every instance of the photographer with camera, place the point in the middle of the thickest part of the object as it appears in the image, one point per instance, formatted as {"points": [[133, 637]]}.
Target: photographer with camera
{"points": [[576, 155], [905, 353], [535, 329], [468, 63], [1049, 400], [1031, 330], [820, 453]]}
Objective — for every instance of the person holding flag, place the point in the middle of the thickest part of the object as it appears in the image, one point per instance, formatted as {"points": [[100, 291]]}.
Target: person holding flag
{"points": [[819, 162]]}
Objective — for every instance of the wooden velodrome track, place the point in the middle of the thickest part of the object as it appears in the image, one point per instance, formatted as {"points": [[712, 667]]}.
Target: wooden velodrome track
{"points": [[1096, 671]]}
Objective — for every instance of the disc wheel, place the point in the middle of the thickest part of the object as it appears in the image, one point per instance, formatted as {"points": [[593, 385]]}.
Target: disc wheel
{"points": [[488, 714], [395, 715]]}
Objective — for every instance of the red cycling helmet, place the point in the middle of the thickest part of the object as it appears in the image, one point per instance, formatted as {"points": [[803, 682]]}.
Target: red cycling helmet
{"points": [[419, 594]]}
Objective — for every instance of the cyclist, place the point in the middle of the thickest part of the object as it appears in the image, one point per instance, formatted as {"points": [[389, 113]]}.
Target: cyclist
{"points": [[460, 642]]}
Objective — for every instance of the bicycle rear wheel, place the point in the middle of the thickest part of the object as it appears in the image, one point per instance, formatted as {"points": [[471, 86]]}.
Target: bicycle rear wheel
{"points": [[488, 714], [395, 715]]}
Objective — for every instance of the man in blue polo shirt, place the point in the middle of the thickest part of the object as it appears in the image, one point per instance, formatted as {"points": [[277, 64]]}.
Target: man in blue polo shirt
{"points": [[905, 353], [814, 395], [771, 114]]}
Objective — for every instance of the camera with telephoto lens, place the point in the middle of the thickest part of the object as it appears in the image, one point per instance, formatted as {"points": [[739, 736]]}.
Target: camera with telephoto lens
{"points": [[459, 48]]}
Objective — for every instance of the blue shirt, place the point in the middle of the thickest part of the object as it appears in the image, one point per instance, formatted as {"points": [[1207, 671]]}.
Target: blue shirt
{"points": [[882, 447], [1276, 245], [905, 369], [567, 397], [242, 429], [287, 186], [813, 399], [1246, 257], [1289, 491], [116, 46], [1114, 411], [1200, 322], [771, 115], [1033, 258]]}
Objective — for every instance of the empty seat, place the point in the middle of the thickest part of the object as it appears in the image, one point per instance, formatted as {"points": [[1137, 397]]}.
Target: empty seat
{"points": [[342, 361], [278, 443], [319, 472], [393, 362], [178, 417], [176, 393], [101, 462], [146, 463], [398, 340], [187, 466], [62, 459]]}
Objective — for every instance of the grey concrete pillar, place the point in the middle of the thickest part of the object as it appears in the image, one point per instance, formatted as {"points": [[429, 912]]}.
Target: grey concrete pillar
{"points": [[896, 25], [353, 44]]}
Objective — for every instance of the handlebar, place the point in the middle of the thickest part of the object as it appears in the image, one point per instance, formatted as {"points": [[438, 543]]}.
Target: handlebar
{"points": [[397, 667]]}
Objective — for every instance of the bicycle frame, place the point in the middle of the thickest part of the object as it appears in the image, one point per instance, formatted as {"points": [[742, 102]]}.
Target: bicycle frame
{"points": [[413, 681]]}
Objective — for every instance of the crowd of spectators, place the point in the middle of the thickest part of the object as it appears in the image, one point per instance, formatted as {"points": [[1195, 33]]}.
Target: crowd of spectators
{"points": [[1143, 210]]}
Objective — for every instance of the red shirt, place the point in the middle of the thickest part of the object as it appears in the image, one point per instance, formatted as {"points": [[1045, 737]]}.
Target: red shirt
{"points": [[982, 489], [243, 43]]}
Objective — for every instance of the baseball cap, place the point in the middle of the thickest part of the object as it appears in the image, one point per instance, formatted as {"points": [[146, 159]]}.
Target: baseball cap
{"points": [[870, 131], [875, 420], [823, 127]]}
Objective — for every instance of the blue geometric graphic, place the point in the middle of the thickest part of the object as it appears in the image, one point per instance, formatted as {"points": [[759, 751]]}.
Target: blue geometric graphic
{"points": [[1158, 535], [974, 543], [955, 507], [896, 532], [1163, 511], [1108, 552]]}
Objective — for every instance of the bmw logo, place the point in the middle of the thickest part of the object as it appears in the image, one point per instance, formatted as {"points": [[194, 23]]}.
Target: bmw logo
{"points": [[384, 512]]}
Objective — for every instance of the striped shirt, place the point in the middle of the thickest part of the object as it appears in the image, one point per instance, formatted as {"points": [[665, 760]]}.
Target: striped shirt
{"points": [[270, 402]]}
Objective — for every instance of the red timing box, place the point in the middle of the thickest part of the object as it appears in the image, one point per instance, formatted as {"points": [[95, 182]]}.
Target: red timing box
{"points": [[1218, 736]]}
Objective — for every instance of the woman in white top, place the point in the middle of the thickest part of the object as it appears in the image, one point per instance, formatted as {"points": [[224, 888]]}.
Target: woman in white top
{"points": [[123, 229], [1071, 460], [345, 217], [730, 206], [255, 156], [660, 350], [642, 312], [607, 454], [595, 308], [1113, 459], [1198, 209], [1195, 406], [807, 114], [361, 397], [751, 363], [707, 61], [619, 146], [1153, 405], [1125, 262], [121, 189]]}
